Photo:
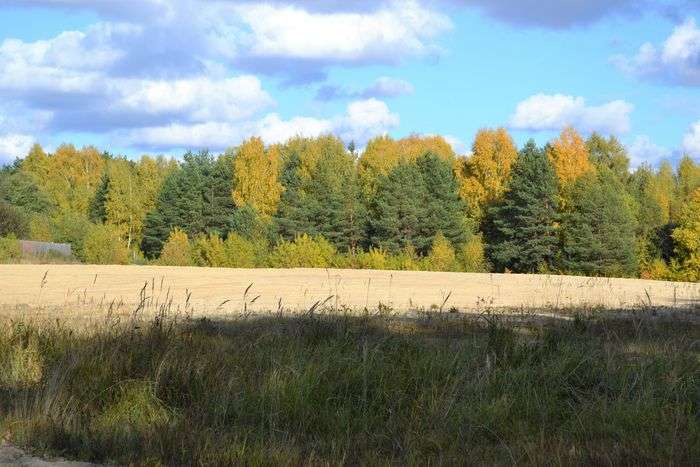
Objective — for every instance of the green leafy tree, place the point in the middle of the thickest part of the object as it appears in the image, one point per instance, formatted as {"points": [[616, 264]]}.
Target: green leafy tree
{"points": [[609, 153], [522, 228], [598, 230]]}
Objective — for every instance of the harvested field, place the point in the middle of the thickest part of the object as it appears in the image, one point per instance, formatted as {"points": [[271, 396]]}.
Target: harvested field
{"points": [[224, 290]]}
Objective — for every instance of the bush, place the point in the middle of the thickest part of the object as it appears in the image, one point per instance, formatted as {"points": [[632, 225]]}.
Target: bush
{"points": [[12, 221], [471, 255], [103, 245], [209, 251], [375, 258], [177, 250], [10, 251], [303, 252], [71, 227], [40, 228], [442, 256], [407, 260], [243, 253]]}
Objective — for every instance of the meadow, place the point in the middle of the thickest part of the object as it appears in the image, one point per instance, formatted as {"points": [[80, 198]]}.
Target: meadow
{"points": [[376, 388], [152, 380]]}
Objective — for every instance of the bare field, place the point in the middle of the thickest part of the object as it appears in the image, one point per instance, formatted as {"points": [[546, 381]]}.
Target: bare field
{"points": [[224, 290]]}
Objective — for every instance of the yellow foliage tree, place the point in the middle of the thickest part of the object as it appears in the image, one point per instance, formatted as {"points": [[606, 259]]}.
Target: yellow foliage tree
{"points": [[687, 238], [256, 177], [177, 250], [69, 177], [442, 256], [472, 257], [569, 156], [103, 245], [133, 189], [484, 175], [383, 153]]}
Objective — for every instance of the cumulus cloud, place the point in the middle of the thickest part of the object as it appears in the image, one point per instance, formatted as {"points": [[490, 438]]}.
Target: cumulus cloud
{"points": [[293, 39], [362, 121], [643, 149], [13, 146], [383, 87], [676, 61], [544, 112], [691, 140]]}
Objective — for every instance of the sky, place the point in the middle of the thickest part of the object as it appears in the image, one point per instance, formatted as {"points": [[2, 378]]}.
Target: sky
{"points": [[167, 76]]}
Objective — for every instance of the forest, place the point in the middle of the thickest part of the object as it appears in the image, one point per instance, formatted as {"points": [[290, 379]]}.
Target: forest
{"points": [[573, 206]]}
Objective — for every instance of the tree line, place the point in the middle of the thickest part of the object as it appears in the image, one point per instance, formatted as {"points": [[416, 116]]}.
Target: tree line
{"points": [[573, 206]]}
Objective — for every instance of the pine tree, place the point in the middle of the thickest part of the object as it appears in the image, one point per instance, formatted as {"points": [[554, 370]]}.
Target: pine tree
{"points": [[196, 198], [522, 233], [97, 211], [398, 211], [327, 202], [445, 208], [597, 231]]}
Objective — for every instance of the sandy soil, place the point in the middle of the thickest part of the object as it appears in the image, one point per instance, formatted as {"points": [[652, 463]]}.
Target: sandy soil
{"points": [[223, 290]]}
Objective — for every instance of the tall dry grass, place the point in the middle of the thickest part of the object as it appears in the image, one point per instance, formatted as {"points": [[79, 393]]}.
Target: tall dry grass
{"points": [[328, 388]]}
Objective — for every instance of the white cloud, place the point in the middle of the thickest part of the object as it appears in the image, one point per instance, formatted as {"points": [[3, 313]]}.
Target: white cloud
{"points": [[543, 112], [361, 121], [691, 140], [198, 99], [398, 29], [13, 146], [676, 61], [643, 149]]}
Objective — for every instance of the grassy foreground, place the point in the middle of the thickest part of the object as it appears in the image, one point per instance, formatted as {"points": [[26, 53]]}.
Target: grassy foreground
{"points": [[376, 389]]}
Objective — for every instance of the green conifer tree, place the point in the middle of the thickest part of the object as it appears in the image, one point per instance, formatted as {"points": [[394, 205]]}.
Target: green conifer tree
{"points": [[521, 229]]}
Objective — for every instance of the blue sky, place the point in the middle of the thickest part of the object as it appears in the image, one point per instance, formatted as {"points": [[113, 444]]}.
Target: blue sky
{"points": [[162, 76]]}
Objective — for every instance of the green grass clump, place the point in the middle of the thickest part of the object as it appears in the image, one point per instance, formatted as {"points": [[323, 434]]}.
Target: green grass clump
{"points": [[377, 390]]}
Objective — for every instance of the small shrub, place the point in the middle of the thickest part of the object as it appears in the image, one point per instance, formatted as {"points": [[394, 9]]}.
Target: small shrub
{"points": [[135, 412], [407, 260], [39, 228], [375, 258], [10, 251], [177, 250], [21, 366], [103, 245], [12, 221], [303, 252], [241, 252], [471, 255], [442, 256], [209, 251]]}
